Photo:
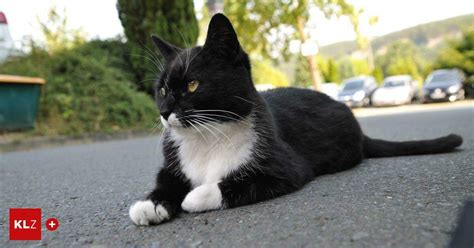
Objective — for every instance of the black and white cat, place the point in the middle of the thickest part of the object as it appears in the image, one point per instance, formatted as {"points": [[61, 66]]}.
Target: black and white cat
{"points": [[227, 145]]}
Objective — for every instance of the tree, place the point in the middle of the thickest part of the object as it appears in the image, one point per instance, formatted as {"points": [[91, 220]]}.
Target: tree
{"points": [[302, 78], [402, 57], [267, 29], [458, 54], [57, 33], [378, 74], [331, 72], [352, 67], [174, 21], [346, 68], [363, 42]]}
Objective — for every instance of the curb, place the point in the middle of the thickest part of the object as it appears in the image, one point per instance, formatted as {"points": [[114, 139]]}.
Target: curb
{"points": [[43, 142]]}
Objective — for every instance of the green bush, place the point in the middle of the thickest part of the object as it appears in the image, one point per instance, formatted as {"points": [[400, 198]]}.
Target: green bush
{"points": [[264, 73], [88, 89]]}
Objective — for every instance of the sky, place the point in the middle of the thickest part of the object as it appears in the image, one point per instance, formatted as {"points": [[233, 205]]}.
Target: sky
{"points": [[99, 18]]}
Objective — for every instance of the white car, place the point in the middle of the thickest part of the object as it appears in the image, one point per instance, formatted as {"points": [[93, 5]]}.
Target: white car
{"points": [[396, 90]]}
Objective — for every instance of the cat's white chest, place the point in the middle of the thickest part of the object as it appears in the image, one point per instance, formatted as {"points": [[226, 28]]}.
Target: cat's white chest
{"points": [[207, 157]]}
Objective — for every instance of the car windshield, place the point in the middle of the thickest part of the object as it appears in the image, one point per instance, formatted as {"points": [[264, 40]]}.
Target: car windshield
{"points": [[442, 77], [353, 85], [393, 83]]}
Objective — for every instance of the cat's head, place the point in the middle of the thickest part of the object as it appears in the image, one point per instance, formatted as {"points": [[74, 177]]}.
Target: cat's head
{"points": [[204, 84]]}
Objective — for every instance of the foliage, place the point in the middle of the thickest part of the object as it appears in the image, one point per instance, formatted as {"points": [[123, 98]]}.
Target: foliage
{"points": [[401, 57], [352, 67], [378, 74], [57, 34], [302, 77], [346, 69], [458, 54], [267, 27], [174, 21], [86, 89], [329, 71], [264, 73], [360, 67]]}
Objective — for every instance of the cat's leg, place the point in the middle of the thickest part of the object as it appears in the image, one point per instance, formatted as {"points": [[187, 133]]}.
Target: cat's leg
{"points": [[203, 198], [233, 192], [164, 202], [237, 192]]}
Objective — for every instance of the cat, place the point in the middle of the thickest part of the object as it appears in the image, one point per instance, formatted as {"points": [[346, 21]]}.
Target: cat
{"points": [[227, 145]]}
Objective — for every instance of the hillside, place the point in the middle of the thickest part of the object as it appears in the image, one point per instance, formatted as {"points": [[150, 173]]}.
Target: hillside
{"points": [[425, 35]]}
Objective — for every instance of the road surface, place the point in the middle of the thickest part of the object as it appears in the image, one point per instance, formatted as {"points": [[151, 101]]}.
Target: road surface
{"points": [[393, 202]]}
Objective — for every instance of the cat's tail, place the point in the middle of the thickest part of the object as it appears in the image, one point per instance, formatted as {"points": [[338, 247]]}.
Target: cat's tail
{"points": [[375, 148]]}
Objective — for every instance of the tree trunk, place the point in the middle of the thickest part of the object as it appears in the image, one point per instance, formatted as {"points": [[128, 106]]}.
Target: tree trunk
{"points": [[313, 66]]}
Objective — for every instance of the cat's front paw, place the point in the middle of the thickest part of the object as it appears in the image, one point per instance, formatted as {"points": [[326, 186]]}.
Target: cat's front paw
{"points": [[144, 213], [202, 198]]}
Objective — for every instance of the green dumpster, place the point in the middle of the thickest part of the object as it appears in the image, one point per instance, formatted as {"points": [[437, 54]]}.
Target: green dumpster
{"points": [[18, 101]]}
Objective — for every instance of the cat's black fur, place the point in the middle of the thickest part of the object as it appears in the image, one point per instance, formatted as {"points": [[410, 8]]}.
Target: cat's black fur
{"points": [[301, 133]]}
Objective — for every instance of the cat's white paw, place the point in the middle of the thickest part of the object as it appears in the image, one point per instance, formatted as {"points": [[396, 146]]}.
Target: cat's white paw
{"points": [[144, 213], [202, 198]]}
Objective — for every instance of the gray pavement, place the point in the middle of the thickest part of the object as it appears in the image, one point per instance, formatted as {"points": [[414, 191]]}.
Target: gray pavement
{"points": [[393, 202]]}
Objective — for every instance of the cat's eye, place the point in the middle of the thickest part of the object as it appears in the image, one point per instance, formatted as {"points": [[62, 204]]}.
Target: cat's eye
{"points": [[193, 85], [163, 92]]}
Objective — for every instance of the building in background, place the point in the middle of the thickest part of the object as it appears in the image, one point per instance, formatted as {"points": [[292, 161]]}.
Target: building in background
{"points": [[6, 41]]}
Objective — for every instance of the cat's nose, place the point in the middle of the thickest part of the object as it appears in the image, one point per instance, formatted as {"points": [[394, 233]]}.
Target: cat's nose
{"points": [[165, 113]]}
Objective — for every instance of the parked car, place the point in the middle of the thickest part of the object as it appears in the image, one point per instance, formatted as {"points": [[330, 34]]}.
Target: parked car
{"points": [[396, 90], [357, 91], [330, 89], [444, 85], [6, 41]]}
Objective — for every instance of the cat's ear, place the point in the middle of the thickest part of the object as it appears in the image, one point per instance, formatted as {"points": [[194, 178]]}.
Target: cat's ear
{"points": [[221, 37], [167, 50]]}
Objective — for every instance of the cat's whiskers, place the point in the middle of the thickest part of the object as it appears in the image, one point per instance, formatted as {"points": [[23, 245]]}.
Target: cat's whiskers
{"points": [[197, 129], [157, 124], [155, 57], [205, 122], [245, 100], [154, 71], [216, 110], [223, 116]]}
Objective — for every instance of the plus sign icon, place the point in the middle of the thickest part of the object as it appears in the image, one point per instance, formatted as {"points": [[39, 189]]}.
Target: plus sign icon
{"points": [[52, 224]]}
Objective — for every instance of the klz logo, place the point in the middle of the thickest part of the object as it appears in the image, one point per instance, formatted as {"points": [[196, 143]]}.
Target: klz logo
{"points": [[25, 223]]}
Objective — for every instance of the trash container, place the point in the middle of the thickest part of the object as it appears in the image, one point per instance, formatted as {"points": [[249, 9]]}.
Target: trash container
{"points": [[19, 98]]}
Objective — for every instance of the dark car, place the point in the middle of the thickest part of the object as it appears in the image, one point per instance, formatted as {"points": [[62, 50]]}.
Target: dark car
{"points": [[357, 91], [444, 85]]}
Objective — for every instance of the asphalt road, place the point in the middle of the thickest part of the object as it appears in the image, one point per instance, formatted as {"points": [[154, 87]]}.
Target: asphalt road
{"points": [[394, 202]]}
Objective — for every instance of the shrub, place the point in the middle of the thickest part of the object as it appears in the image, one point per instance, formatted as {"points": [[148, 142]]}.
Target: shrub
{"points": [[88, 89]]}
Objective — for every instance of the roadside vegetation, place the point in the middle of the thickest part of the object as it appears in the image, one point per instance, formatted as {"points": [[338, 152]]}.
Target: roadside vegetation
{"points": [[89, 88]]}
